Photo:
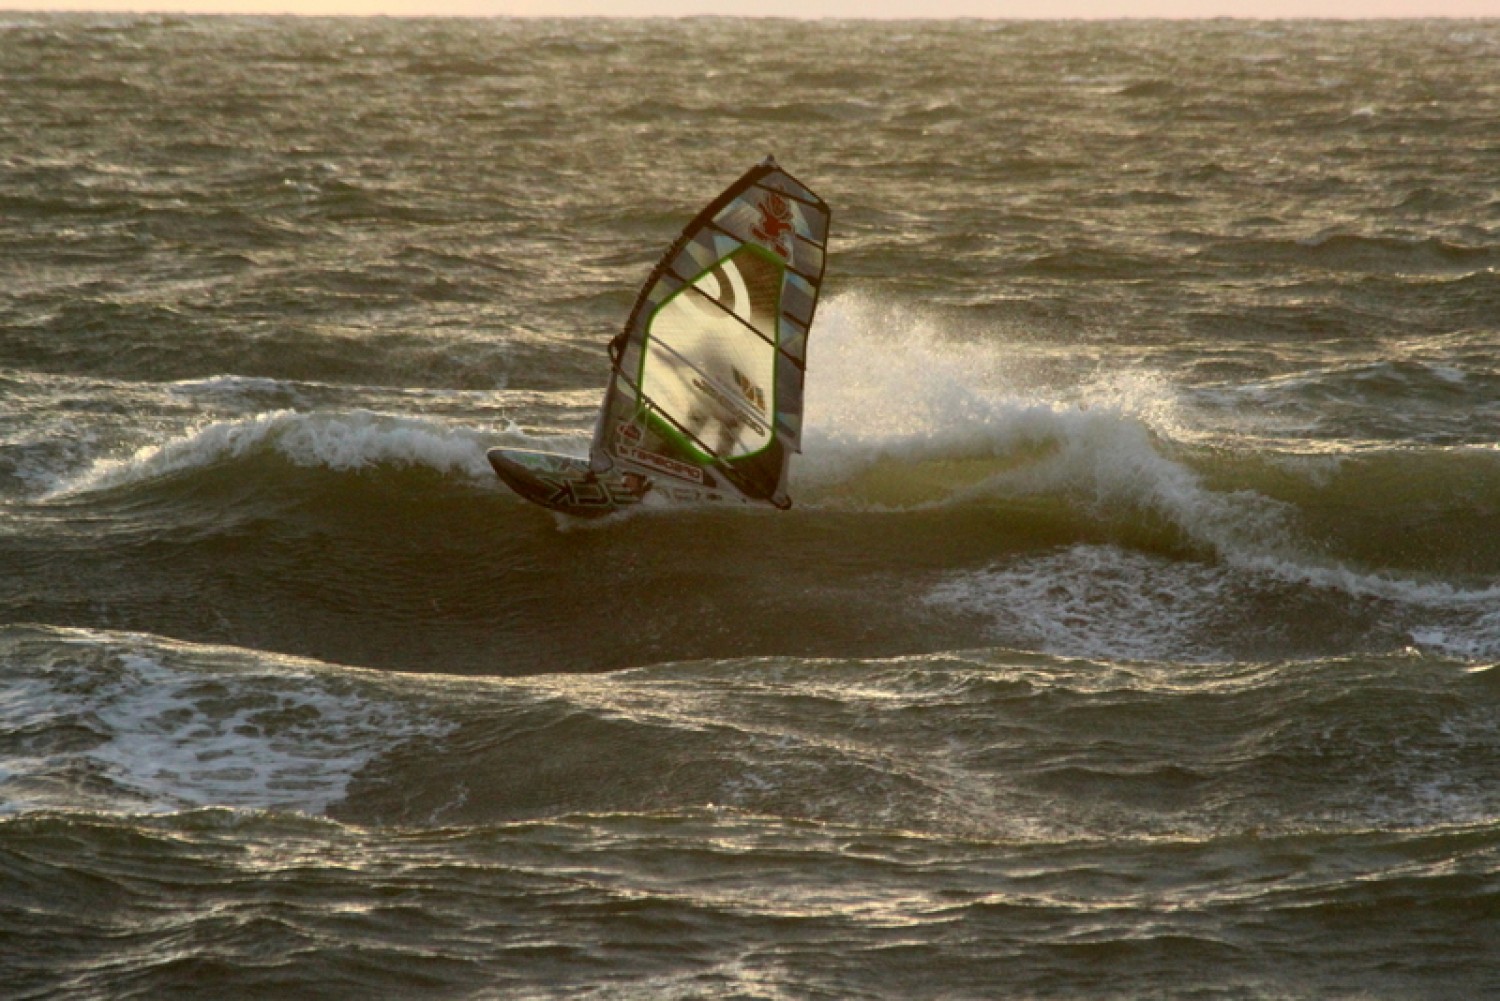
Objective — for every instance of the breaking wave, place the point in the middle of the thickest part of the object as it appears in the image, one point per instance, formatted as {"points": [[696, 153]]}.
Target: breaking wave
{"points": [[336, 441]]}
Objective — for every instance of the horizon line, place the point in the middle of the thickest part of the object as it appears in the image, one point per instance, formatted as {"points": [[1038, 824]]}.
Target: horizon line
{"points": [[66, 9]]}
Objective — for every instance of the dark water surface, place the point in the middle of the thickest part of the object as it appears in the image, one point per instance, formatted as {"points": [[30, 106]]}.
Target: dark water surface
{"points": [[1133, 634]]}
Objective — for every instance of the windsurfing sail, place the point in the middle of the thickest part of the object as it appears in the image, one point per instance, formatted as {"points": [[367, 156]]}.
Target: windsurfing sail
{"points": [[705, 394]]}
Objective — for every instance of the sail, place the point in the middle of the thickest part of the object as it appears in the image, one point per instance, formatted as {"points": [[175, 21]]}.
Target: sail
{"points": [[705, 395]]}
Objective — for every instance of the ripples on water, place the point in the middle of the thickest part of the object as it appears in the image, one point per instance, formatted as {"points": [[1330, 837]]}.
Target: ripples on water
{"points": [[1133, 633]]}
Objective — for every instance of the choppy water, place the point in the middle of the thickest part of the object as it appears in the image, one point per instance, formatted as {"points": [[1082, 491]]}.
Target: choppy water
{"points": [[1133, 635]]}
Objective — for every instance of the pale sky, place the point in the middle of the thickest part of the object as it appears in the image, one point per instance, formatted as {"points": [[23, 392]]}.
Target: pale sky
{"points": [[805, 8]]}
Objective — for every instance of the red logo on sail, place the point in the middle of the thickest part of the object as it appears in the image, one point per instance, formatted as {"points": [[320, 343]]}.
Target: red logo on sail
{"points": [[775, 223]]}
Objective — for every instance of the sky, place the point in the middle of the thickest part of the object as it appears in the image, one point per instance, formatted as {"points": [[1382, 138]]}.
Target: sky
{"points": [[806, 8]]}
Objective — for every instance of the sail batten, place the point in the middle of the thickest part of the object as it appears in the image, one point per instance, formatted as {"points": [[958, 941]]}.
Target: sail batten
{"points": [[705, 395]]}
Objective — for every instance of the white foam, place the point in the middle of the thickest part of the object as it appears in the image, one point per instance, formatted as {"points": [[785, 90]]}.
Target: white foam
{"points": [[338, 441], [1099, 602], [232, 386], [1107, 602], [1475, 636], [361, 439], [176, 727]]}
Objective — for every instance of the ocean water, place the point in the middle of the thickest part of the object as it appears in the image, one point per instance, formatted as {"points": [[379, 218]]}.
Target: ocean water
{"points": [[1133, 635]]}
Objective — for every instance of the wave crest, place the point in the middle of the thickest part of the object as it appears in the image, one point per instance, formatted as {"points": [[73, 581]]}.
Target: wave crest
{"points": [[341, 442]]}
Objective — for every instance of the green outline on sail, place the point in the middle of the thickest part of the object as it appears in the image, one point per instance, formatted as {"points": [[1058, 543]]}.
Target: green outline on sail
{"points": [[665, 427]]}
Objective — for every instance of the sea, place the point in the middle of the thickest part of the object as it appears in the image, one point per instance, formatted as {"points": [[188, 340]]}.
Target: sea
{"points": [[1133, 635]]}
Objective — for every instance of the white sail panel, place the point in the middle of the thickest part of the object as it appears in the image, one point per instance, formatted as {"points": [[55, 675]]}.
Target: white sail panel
{"points": [[709, 368]]}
